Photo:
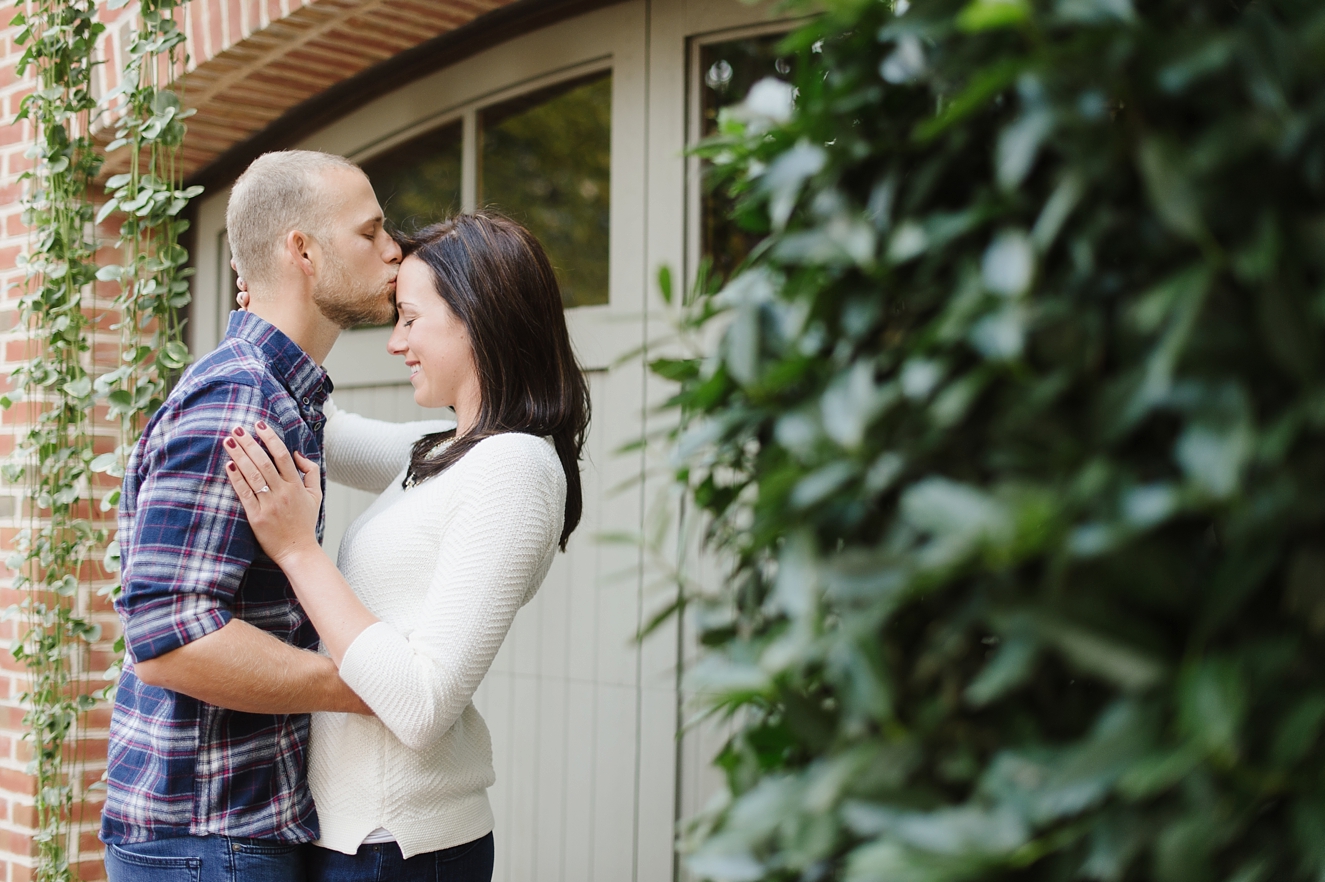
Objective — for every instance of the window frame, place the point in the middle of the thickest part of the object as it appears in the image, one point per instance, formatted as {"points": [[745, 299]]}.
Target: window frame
{"points": [[695, 45], [607, 40]]}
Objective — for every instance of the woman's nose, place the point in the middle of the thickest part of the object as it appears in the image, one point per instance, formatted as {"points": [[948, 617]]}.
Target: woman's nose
{"points": [[395, 344]]}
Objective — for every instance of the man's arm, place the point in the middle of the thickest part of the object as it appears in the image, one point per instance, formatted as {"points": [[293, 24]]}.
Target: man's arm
{"points": [[246, 669], [189, 551]]}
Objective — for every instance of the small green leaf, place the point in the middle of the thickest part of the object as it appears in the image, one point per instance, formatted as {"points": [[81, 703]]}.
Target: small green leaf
{"points": [[80, 388], [1212, 704], [105, 463], [1156, 773], [821, 484], [1300, 731], [176, 353], [983, 87], [111, 272], [1173, 194], [1009, 668], [984, 15], [1103, 655], [1214, 456]]}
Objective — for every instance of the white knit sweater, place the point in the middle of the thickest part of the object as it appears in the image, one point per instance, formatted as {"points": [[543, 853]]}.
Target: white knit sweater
{"points": [[445, 565]]}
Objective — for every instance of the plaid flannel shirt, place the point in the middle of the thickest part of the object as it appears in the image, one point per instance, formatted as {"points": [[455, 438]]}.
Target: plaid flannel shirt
{"points": [[179, 766]]}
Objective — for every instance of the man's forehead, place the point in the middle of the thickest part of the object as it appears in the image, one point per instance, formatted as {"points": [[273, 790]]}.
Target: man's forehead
{"points": [[359, 207], [373, 218], [347, 185]]}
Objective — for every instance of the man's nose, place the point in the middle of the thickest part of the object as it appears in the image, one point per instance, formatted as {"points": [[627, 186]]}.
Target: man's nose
{"points": [[393, 252]]}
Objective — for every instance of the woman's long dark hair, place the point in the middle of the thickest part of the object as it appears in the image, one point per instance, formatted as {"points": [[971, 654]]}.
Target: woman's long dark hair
{"points": [[497, 280]]}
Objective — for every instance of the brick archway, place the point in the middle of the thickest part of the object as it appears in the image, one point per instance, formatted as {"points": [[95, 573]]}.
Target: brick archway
{"points": [[256, 62]]}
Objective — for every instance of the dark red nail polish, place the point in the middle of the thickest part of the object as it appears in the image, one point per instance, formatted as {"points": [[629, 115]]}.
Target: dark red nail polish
{"points": [[230, 466], [261, 424], [239, 430], [230, 442]]}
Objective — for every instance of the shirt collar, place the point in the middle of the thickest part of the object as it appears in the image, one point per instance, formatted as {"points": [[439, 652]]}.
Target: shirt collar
{"points": [[306, 379]]}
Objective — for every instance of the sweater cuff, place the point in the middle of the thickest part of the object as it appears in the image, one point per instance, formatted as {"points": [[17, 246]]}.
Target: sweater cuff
{"points": [[368, 664]]}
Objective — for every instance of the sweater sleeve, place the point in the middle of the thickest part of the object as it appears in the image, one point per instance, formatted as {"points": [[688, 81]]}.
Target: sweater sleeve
{"points": [[367, 454], [498, 542]]}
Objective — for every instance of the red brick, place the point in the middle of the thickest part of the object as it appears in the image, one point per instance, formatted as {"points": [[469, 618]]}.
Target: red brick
{"points": [[24, 815], [98, 717], [91, 870], [14, 842], [14, 781], [11, 720]]}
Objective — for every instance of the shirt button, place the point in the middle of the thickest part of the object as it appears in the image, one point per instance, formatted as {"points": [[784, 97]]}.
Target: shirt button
{"points": [[305, 399]]}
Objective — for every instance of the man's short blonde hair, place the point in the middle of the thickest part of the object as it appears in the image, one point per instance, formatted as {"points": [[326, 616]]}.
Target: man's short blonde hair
{"points": [[277, 193]]}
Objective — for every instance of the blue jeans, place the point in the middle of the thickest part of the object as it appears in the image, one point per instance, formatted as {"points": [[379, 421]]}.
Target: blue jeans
{"points": [[383, 862], [206, 859]]}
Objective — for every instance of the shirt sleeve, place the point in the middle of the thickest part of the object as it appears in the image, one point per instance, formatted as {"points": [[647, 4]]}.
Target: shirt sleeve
{"points": [[496, 549], [368, 454], [191, 543]]}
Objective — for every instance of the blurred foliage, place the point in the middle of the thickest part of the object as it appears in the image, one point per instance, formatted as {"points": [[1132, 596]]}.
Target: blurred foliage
{"points": [[1013, 437]]}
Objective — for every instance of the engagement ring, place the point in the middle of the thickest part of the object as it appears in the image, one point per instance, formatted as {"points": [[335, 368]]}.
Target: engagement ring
{"points": [[264, 489]]}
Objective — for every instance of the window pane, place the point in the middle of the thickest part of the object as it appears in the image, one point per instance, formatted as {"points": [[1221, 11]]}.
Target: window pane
{"points": [[418, 182], [545, 161], [729, 69]]}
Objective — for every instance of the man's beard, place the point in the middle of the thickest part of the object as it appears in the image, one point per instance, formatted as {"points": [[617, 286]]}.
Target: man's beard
{"points": [[350, 302]]}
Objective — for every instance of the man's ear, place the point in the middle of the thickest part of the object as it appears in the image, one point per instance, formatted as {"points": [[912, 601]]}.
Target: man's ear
{"points": [[299, 247]]}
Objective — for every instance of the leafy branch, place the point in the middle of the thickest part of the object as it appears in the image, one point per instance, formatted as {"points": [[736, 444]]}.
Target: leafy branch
{"points": [[55, 460]]}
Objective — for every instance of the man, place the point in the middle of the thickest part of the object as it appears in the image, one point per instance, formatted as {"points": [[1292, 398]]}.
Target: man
{"points": [[209, 733]]}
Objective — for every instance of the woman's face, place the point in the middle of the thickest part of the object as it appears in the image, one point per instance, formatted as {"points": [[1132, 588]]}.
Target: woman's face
{"points": [[435, 345]]}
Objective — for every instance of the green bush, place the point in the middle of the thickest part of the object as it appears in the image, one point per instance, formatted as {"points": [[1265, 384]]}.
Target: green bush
{"points": [[1015, 440]]}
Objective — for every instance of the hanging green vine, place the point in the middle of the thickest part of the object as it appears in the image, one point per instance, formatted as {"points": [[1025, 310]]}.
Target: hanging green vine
{"points": [[150, 197], [53, 457], [55, 461]]}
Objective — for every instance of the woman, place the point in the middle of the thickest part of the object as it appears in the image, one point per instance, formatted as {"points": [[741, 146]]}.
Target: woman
{"points": [[435, 570]]}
